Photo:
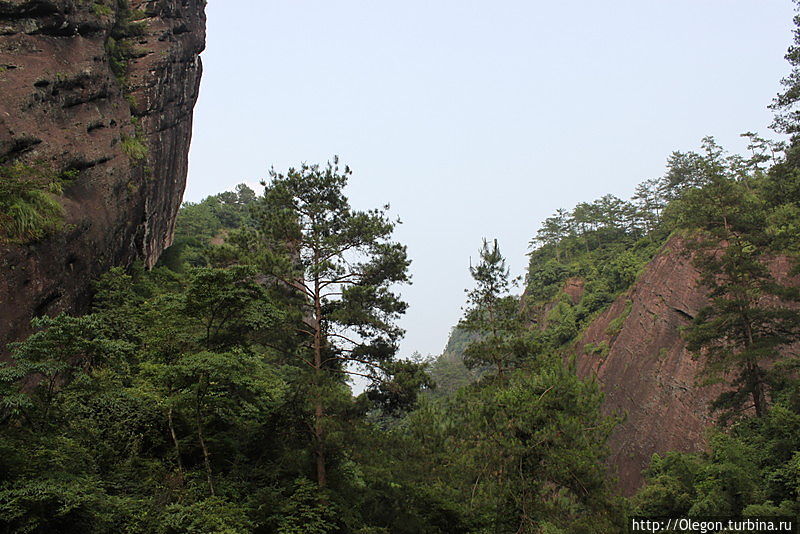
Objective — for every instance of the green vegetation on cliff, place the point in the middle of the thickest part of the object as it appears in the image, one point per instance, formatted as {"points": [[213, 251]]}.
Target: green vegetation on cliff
{"points": [[740, 215], [128, 25], [29, 209]]}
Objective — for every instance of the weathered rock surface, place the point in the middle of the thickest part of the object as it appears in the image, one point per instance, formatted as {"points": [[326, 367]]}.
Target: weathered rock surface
{"points": [[636, 351], [62, 106]]}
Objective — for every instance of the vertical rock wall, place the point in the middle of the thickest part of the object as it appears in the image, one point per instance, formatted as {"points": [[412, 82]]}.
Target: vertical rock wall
{"points": [[636, 352], [124, 135]]}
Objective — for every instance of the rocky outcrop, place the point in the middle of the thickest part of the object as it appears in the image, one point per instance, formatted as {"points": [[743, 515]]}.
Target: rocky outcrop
{"points": [[636, 352], [102, 92]]}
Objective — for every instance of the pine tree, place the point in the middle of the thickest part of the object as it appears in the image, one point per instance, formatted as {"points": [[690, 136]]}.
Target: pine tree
{"points": [[340, 265], [740, 331], [747, 319], [492, 315]]}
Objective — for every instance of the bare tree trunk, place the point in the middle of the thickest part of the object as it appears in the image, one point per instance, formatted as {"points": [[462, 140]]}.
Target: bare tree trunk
{"points": [[175, 439], [206, 455]]}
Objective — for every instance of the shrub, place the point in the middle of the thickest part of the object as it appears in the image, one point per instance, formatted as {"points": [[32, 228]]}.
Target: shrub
{"points": [[28, 207], [134, 148], [119, 45]]}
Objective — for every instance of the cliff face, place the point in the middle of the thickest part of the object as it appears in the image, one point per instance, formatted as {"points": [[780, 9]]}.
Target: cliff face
{"points": [[636, 352], [82, 93]]}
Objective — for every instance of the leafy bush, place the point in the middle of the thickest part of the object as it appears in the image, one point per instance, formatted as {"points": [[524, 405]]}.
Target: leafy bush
{"points": [[213, 515], [751, 469]]}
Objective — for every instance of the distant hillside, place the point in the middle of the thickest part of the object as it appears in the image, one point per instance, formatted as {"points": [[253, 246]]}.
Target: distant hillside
{"points": [[448, 370], [202, 225]]}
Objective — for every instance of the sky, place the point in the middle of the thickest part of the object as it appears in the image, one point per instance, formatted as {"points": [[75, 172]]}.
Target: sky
{"points": [[477, 119]]}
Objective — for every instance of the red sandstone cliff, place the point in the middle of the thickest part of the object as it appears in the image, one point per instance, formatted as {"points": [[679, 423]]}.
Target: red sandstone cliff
{"points": [[61, 105], [635, 350]]}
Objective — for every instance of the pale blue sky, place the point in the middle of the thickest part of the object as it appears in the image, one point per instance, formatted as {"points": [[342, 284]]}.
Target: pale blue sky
{"points": [[478, 118]]}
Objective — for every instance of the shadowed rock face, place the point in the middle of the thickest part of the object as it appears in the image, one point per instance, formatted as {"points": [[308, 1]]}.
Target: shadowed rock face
{"points": [[62, 107], [636, 351]]}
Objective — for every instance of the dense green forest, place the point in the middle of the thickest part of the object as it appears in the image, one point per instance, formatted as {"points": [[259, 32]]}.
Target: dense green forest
{"points": [[210, 394]]}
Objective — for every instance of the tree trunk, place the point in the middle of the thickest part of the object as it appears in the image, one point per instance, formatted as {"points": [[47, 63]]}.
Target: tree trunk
{"points": [[175, 439], [758, 391], [319, 412], [499, 358], [759, 399], [319, 452], [206, 455], [754, 375]]}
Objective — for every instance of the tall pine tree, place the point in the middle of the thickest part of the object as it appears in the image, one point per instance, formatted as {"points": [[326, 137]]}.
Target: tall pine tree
{"points": [[340, 265]]}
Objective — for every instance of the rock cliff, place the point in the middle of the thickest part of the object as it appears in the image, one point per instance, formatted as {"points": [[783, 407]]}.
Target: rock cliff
{"points": [[100, 91], [636, 351]]}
